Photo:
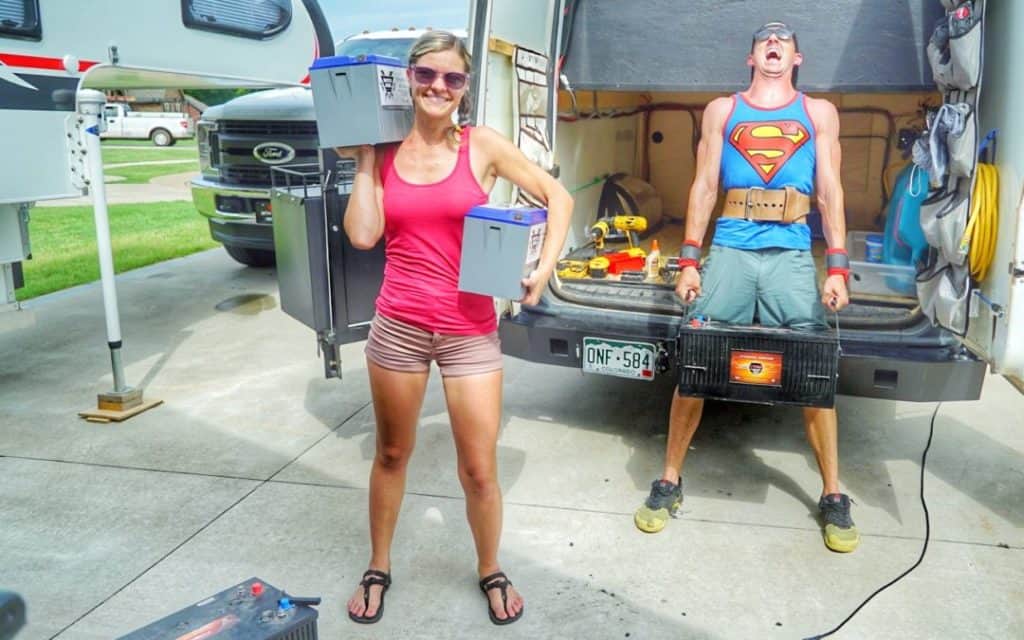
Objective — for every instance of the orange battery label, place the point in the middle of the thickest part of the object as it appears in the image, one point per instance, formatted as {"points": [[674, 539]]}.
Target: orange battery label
{"points": [[756, 367]]}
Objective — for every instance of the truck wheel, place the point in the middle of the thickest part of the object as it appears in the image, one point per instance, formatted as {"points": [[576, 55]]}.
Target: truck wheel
{"points": [[161, 137], [251, 257]]}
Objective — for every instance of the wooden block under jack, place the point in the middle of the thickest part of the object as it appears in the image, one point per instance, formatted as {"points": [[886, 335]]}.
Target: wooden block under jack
{"points": [[116, 406]]}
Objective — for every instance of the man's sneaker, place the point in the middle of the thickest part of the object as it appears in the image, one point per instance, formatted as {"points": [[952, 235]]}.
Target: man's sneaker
{"points": [[840, 532], [662, 504]]}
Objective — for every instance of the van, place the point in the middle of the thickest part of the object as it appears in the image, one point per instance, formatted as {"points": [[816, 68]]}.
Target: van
{"points": [[611, 100]]}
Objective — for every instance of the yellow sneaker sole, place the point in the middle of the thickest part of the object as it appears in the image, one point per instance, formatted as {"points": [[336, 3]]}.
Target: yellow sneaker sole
{"points": [[653, 520], [840, 540]]}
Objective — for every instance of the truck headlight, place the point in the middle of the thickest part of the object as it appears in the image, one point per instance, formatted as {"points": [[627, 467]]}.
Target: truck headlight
{"points": [[206, 142]]}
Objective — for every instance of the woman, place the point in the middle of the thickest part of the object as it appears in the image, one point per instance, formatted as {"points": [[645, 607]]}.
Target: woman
{"points": [[416, 195]]}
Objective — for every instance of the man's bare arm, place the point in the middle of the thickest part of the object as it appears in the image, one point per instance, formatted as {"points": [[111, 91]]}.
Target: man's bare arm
{"points": [[834, 294], [828, 185], [704, 192]]}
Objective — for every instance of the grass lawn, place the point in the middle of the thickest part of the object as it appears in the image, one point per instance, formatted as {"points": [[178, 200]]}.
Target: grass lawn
{"points": [[64, 242], [115, 142], [142, 173], [147, 154]]}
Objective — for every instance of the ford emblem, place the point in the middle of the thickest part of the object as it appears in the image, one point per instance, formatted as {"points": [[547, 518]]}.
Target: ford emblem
{"points": [[273, 153]]}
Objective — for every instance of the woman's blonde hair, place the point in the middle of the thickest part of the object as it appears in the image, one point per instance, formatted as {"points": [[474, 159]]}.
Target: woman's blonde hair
{"points": [[436, 41]]}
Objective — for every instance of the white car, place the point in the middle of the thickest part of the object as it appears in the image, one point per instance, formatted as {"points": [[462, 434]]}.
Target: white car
{"points": [[163, 128]]}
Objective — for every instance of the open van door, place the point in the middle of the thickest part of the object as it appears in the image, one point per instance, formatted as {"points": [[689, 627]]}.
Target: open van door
{"points": [[515, 45], [975, 284]]}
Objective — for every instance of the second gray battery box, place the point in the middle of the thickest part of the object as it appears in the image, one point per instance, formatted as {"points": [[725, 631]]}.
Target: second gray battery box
{"points": [[500, 246], [360, 100]]}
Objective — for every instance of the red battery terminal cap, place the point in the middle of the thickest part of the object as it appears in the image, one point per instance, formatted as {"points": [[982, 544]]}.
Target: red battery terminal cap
{"points": [[256, 589]]}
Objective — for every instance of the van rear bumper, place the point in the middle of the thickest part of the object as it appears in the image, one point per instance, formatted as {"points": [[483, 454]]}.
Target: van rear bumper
{"points": [[892, 372]]}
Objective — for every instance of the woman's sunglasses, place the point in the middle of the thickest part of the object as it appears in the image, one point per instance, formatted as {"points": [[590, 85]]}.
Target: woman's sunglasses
{"points": [[426, 76], [782, 33]]}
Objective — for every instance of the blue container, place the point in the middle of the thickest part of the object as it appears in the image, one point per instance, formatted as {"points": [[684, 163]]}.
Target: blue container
{"points": [[904, 241], [873, 247]]}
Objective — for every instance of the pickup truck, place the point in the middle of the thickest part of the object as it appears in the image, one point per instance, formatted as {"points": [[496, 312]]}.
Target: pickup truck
{"points": [[240, 140], [163, 128]]}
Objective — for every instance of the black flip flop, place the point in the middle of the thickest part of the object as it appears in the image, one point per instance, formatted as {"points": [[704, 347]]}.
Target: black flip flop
{"points": [[370, 578], [499, 581]]}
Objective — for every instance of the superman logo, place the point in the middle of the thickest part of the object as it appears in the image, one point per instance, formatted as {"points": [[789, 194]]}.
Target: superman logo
{"points": [[767, 146]]}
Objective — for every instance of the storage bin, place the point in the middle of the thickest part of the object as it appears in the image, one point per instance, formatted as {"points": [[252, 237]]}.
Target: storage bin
{"points": [[876, 278]]}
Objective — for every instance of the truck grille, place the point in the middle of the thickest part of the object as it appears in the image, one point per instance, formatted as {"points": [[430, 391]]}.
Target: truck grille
{"points": [[258, 128], [234, 141]]}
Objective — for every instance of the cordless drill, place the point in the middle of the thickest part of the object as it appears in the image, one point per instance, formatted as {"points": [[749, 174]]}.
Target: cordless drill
{"points": [[628, 225]]}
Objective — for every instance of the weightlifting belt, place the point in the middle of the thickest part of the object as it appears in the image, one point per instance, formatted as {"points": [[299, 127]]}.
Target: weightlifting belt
{"points": [[774, 205]]}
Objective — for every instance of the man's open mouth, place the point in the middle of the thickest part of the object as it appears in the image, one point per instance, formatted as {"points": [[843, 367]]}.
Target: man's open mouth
{"points": [[774, 55]]}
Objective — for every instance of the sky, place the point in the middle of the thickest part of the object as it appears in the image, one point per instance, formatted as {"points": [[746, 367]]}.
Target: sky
{"points": [[352, 16]]}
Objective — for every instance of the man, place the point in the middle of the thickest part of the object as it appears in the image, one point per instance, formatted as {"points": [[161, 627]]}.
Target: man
{"points": [[772, 146]]}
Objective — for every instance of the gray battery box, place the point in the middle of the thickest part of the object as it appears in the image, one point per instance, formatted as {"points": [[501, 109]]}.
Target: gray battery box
{"points": [[360, 100], [500, 246]]}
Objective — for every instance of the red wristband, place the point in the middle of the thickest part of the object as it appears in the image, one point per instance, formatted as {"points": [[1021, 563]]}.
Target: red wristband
{"points": [[840, 271]]}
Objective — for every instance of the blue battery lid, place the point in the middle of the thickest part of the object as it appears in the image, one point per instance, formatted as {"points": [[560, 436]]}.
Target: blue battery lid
{"points": [[526, 216], [331, 62]]}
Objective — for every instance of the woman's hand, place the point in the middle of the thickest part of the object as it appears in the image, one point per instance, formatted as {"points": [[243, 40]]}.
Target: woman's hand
{"points": [[359, 153], [534, 285]]}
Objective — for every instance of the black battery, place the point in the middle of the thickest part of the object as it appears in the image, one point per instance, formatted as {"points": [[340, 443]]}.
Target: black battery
{"points": [[758, 365], [252, 610]]}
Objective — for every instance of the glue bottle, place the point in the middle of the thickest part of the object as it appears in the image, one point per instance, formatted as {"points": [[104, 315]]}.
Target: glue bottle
{"points": [[653, 264]]}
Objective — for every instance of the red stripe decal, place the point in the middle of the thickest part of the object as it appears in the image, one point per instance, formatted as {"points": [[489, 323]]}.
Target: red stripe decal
{"points": [[39, 62]]}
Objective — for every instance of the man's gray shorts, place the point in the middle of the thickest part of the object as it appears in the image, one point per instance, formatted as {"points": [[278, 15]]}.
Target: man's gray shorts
{"points": [[779, 286]]}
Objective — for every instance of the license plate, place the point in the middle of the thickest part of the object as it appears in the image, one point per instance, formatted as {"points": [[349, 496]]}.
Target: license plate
{"points": [[619, 358], [756, 367]]}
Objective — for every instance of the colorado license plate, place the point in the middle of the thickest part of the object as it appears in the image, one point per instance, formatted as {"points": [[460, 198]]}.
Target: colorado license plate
{"points": [[619, 358]]}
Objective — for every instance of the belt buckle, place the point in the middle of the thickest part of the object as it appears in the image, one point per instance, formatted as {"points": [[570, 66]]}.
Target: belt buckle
{"points": [[747, 204]]}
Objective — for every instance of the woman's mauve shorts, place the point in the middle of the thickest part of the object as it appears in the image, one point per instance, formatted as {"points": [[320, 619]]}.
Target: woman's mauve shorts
{"points": [[398, 346]]}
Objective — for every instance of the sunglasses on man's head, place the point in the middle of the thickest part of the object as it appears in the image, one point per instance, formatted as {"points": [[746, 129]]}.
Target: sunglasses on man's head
{"points": [[782, 33], [426, 76]]}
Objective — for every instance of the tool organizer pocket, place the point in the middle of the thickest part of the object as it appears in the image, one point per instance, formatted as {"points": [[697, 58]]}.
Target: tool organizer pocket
{"points": [[943, 220], [943, 290], [962, 147], [954, 50]]}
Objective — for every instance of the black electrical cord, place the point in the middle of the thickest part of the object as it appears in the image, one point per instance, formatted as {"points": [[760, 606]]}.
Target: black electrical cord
{"points": [[924, 548]]}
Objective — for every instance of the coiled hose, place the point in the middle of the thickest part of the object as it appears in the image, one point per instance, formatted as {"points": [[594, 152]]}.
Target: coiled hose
{"points": [[979, 239]]}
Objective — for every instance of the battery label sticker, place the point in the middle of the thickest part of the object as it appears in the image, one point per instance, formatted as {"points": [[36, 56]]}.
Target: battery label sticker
{"points": [[393, 87], [535, 242], [756, 367]]}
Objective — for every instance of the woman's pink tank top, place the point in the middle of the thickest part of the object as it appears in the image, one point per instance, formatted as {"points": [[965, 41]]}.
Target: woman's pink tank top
{"points": [[423, 247]]}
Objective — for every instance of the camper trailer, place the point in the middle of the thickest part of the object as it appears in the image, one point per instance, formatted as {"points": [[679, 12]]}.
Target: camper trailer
{"points": [[54, 56], [610, 100], [50, 50]]}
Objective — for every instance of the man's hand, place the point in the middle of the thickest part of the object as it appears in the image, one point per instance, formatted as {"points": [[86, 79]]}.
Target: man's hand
{"points": [[688, 287], [833, 294]]}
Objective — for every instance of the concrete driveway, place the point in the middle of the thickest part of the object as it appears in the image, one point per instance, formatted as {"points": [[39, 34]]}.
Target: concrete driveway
{"points": [[257, 466], [175, 186]]}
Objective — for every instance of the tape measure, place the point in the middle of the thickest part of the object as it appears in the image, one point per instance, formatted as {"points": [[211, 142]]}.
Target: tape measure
{"points": [[572, 269], [599, 267]]}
